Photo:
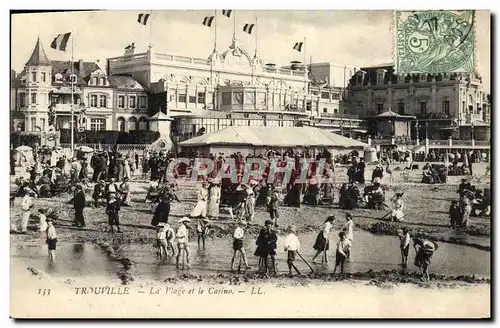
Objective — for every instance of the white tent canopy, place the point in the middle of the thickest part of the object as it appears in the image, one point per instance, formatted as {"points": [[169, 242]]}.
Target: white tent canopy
{"points": [[274, 137]]}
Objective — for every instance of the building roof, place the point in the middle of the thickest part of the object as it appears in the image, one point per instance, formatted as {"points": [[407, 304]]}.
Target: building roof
{"points": [[390, 114], [160, 116], [124, 82], [274, 137], [38, 56], [80, 68]]}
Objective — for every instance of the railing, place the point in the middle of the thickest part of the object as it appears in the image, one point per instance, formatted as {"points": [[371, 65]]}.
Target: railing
{"points": [[107, 147], [482, 143], [439, 142], [339, 115], [462, 142], [128, 58]]}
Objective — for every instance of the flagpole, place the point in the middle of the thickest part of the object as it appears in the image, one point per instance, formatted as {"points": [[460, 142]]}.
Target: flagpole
{"points": [[305, 67], [72, 96], [234, 24], [150, 29], [256, 36]]}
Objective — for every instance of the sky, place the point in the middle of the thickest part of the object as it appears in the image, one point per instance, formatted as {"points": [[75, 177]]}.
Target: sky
{"points": [[353, 38]]}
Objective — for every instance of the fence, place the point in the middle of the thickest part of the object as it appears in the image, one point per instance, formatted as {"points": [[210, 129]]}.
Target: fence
{"points": [[120, 147]]}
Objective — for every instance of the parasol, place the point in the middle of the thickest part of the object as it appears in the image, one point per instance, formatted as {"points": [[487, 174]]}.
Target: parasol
{"points": [[23, 148], [85, 149]]}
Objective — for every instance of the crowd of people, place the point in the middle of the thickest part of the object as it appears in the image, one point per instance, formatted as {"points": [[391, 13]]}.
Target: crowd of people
{"points": [[112, 172]]}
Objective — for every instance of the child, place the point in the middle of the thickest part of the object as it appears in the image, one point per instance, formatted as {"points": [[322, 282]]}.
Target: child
{"points": [[341, 255], [202, 229], [161, 239], [272, 205], [292, 246], [425, 250], [42, 220], [404, 239], [322, 243], [112, 210], [182, 242], [51, 239], [238, 245], [170, 236]]}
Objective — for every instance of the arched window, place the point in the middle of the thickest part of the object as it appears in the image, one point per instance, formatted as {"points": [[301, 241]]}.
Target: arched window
{"points": [[143, 123], [120, 122], [132, 124]]}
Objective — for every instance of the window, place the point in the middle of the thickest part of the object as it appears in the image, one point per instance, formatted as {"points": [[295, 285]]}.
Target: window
{"points": [[97, 124], [249, 98], [33, 77], [380, 108], [93, 81], [401, 108], [192, 99], [142, 102], [33, 124], [22, 99], [423, 107], [103, 81], [143, 124], [121, 124], [93, 101], [446, 107], [380, 78], [42, 124], [309, 105], [44, 76], [201, 97], [325, 110], [131, 102], [335, 110], [102, 101], [325, 95], [335, 96], [33, 98], [132, 124], [226, 98], [73, 78], [182, 97], [121, 101]]}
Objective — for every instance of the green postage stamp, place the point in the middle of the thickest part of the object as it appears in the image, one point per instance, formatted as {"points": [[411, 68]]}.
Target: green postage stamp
{"points": [[435, 41]]}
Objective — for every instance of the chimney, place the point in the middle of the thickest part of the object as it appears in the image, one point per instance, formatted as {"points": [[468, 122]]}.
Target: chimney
{"points": [[80, 65]]}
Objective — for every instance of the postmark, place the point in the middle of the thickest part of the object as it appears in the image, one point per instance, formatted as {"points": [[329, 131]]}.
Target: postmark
{"points": [[435, 41]]}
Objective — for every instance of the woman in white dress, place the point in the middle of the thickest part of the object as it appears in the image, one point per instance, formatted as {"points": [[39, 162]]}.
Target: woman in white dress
{"points": [[214, 193], [126, 167], [200, 210], [398, 205]]}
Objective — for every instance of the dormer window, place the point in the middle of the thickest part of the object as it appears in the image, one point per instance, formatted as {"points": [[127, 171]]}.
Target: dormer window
{"points": [[72, 78], [58, 77], [103, 81], [360, 76], [93, 81], [381, 76]]}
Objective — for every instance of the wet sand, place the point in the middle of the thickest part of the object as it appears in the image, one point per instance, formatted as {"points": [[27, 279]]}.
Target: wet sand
{"points": [[268, 298]]}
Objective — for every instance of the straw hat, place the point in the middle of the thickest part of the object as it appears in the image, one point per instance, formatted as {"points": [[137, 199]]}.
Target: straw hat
{"points": [[184, 219]]}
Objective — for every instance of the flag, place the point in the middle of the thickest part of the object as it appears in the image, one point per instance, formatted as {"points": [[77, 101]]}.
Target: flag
{"points": [[130, 46], [248, 28], [227, 13], [298, 46], [207, 21], [143, 19], [60, 41]]}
